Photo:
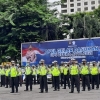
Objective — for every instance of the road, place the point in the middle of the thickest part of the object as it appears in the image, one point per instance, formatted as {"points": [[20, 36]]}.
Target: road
{"points": [[51, 95]]}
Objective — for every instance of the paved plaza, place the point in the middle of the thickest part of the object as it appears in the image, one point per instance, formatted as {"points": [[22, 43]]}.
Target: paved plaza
{"points": [[51, 95]]}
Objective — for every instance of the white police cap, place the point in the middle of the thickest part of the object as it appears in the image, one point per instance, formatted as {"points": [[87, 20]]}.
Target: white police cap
{"points": [[83, 60], [42, 60], [55, 61], [72, 59], [33, 65]]}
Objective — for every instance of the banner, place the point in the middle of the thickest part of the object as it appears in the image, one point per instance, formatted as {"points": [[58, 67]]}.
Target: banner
{"points": [[61, 50]]}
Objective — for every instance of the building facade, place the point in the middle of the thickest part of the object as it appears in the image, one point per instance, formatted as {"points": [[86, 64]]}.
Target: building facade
{"points": [[73, 6]]}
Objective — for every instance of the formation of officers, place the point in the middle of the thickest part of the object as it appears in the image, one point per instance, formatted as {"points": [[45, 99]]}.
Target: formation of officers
{"points": [[68, 72]]}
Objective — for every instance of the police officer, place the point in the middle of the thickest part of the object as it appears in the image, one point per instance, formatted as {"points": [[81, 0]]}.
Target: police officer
{"points": [[52, 66], [38, 73], [56, 74], [28, 73], [49, 69], [34, 73], [85, 75], [43, 77], [62, 74], [14, 79], [66, 75], [95, 75], [19, 75], [74, 72], [2, 76], [7, 76]]}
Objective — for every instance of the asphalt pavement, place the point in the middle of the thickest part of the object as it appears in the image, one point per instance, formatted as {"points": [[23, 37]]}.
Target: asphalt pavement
{"points": [[63, 94]]}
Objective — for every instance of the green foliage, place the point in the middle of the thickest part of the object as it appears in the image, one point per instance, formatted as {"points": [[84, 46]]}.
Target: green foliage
{"points": [[86, 24], [25, 21], [31, 21]]}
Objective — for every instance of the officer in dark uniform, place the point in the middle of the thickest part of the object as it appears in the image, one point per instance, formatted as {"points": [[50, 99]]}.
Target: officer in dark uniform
{"points": [[38, 73], [85, 75], [74, 72], [56, 75], [7, 72], [95, 75], [66, 75], [34, 74], [51, 73], [43, 78], [28, 73], [2, 76], [62, 74], [14, 79]]}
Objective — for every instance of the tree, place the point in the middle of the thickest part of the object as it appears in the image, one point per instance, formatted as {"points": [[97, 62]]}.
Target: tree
{"points": [[86, 25], [25, 21]]}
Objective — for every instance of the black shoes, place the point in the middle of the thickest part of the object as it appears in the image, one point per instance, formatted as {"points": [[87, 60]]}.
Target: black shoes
{"points": [[83, 90], [25, 90], [41, 92], [78, 91], [11, 92], [71, 92]]}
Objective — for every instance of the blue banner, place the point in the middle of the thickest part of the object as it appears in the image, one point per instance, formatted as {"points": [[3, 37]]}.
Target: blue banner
{"points": [[61, 50]]}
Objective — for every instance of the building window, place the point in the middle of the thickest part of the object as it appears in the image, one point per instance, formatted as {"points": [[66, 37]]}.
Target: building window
{"points": [[78, 9], [71, 5], [99, 1], [64, 11], [71, 0], [72, 10], [86, 8], [63, 6], [93, 7], [85, 3], [78, 0], [92, 2], [78, 4]]}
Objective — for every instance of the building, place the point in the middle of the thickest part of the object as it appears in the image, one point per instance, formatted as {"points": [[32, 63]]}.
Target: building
{"points": [[73, 6]]}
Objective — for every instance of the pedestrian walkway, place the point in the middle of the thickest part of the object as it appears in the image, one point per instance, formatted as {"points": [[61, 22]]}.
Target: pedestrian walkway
{"points": [[51, 95]]}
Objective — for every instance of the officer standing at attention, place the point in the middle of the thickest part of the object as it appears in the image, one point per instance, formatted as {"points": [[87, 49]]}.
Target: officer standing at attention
{"points": [[38, 73], [95, 75], [74, 72], [0, 71], [85, 75], [28, 73], [2, 76], [34, 74], [43, 78], [66, 75], [49, 69], [14, 79], [7, 76], [52, 66], [56, 74], [19, 75], [62, 74]]}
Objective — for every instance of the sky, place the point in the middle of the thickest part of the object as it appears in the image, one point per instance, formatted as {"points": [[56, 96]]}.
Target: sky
{"points": [[58, 7]]}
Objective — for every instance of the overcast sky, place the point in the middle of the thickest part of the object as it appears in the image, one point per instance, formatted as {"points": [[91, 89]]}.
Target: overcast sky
{"points": [[58, 7]]}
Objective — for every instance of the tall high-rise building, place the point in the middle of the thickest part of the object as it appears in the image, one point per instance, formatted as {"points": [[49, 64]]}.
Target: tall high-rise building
{"points": [[73, 6]]}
